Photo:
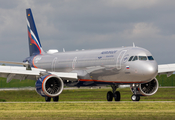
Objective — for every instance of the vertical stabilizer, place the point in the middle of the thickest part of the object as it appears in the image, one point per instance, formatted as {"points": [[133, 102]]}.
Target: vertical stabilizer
{"points": [[34, 42]]}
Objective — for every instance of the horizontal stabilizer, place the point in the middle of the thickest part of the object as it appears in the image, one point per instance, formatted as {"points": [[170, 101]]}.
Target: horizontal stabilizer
{"points": [[18, 63], [13, 63]]}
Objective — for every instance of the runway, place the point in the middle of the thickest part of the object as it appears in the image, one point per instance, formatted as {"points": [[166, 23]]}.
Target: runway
{"points": [[95, 102], [70, 88]]}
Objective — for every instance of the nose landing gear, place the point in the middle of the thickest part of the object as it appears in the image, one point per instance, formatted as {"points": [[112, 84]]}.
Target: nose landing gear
{"points": [[135, 96], [115, 94]]}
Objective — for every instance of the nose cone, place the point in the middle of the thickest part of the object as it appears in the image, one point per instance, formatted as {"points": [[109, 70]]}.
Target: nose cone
{"points": [[150, 70]]}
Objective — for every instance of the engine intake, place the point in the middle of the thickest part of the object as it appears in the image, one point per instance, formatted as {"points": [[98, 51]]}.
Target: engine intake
{"points": [[147, 89], [49, 85]]}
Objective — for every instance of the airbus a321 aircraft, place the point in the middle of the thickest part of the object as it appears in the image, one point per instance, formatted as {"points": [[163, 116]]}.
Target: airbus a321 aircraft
{"points": [[53, 70]]}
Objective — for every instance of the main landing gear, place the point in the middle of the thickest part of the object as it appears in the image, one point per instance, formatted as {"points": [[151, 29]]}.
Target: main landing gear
{"points": [[55, 99], [114, 94]]}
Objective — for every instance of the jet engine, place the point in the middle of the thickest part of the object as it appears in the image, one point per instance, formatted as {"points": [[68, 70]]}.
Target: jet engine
{"points": [[146, 89], [49, 85]]}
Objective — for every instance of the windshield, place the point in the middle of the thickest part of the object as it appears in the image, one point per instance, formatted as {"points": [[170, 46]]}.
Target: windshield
{"points": [[142, 58], [135, 58], [130, 58], [150, 58]]}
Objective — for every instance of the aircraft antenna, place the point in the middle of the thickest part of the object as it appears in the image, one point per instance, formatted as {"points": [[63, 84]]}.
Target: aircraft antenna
{"points": [[64, 50]]}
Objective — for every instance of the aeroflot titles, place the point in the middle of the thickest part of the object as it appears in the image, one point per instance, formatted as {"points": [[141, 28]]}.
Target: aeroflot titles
{"points": [[109, 52]]}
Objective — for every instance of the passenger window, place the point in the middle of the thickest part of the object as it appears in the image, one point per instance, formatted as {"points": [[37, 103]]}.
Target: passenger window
{"points": [[135, 58], [150, 58], [142, 58], [130, 58]]}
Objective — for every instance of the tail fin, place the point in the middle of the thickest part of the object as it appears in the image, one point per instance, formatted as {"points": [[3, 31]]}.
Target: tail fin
{"points": [[34, 42]]}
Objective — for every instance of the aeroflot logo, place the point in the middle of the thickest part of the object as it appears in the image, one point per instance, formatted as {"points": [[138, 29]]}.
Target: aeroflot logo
{"points": [[109, 52]]}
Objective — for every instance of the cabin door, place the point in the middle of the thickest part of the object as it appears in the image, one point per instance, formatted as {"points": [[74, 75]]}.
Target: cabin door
{"points": [[120, 58], [53, 64]]}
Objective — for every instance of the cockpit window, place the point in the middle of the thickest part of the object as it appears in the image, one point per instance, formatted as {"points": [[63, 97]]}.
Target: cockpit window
{"points": [[142, 58], [130, 58], [150, 58], [135, 58]]}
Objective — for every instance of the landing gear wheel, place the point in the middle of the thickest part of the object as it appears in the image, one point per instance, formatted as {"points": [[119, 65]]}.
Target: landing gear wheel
{"points": [[109, 96], [117, 96], [135, 98], [55, 99], [47, 99]]}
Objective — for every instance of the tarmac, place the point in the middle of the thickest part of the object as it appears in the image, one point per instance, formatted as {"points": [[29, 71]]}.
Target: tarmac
{"points": [[96, 102], [69, 88]]}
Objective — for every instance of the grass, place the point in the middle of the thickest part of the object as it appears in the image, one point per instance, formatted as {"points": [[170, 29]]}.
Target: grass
{"points": [[163, 94], [16, 83], [87, 104], [88, 111], [166, 81]]}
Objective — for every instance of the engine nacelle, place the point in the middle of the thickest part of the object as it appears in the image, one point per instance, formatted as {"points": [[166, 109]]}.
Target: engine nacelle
{"points": [[49, 85], [146, 89]]}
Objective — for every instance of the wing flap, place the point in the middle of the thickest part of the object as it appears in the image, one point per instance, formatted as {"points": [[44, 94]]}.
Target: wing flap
{"points": [[64, 75], [15, 72]]}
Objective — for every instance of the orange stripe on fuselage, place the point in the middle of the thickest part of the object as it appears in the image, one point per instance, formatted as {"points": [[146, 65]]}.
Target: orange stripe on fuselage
{"points": [[33, 62], [88, 80]]}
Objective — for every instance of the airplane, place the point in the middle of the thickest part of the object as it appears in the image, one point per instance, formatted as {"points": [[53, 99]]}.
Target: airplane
{"points": [[52, 70]]}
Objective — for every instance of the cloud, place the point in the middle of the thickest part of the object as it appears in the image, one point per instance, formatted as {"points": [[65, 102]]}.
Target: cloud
{"points": [[132, 4], [89, 24], [141, 31]]}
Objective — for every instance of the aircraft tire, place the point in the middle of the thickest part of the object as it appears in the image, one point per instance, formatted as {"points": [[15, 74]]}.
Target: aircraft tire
{"points": [[47, 99], [117, 96], [56, 99], [109, 96], [135, 97]]}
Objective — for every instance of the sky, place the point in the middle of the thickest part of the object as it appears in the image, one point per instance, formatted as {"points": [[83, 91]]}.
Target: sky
{"points": [[89, 24]]}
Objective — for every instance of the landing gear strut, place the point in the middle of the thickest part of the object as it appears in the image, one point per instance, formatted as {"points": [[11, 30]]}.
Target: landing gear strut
{"points": [[55, 99], [114, 94], [47, 99], [135, 96]]}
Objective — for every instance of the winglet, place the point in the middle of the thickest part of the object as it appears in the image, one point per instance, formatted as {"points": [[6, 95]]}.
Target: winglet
{"points": [[134, 45]]}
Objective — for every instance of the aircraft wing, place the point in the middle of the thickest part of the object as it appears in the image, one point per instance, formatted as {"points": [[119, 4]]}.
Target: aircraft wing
{"points": [[166, 69], [17, 72]]}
